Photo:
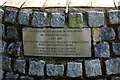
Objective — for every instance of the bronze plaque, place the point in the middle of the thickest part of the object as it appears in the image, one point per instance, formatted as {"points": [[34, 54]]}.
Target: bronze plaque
{"points": [[57, 42]]}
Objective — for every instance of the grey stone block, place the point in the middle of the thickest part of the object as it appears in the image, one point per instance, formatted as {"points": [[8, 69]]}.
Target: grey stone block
{"points": [[1, 74], [114, 16], [38, 19], [113, 66], [115, 78], [10, 15], [54, 70], [20, 66], [2, 31], [116, 48], [102, 50], [93, 67], [25, 78], [2, 46], [6, 63], [24, 16], [119, 32], [95, 18], [14, 48], [1, 15], [12, 32], [107, 33], [57, 20], [11, 76], [75, 20], [74, 69], [37, 68]]}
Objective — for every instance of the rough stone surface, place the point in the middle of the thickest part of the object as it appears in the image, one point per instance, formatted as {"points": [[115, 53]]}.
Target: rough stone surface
{"points": [[25, 78], [74, 69], [11, 76], [93, 67], [76, 20], [96, 34], [55, 70], [107, 33], [1, 74], [114, 16], [1, 15], [37, 68], [113, 66], [12, 32], [24, 16], [116, 48], [2, 30], [119, 32], [14, 48], [102, 50], [95, 18], [2, 46], [38, 19], [20, 66], [115, 78], [10, 15], [6, 63], [57, 20]]}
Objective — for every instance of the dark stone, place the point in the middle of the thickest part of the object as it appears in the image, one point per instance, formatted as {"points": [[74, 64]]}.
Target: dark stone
{"points": [[55, 70], [11, 76], [115, 78], [114, 16], [57, 20], [95, 18], [93, 68], [2, 46], [102, 50], [74, 69], [116, 48], [25, 78], [38, 19], [119, 32], [24, 16], [107, 33], [2, 30], [10, 15], [1, 15], [113, 66]]}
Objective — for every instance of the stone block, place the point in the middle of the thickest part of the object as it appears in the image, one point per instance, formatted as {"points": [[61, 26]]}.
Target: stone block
{"points": [[39, 19], [102, 50], [96, 34], [57, 20], [107, 33], [75, 20], [55, 70], [74, 69], [25, 78], [113, 66], [11, 76], [116, 48], [93, 68], [95, 18], [115, 78], [19, 66], [114, 16], [12, 32], [1, 15], [2, 31], [24, 16], [37, 68], [10, 15], [2, 46]]}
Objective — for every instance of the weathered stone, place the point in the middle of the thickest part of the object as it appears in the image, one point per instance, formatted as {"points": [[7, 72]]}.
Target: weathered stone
{"points": [[1, 74], [25, 78], [115, 78], [119, 32], [116, 48], [1, 15], [74, 69], [114, 16], [102, 50], [37, 68], [75, 20], [2, 46], [95, 18], [14, 48], [38, 19], [24, 16], [96, 34], [20, 66], [57, 20], [107, 33], [12, 32], [55, 70], [113, 66], [11, 76], [10, 15], [93, 68], [6, 63], [2, 31]]}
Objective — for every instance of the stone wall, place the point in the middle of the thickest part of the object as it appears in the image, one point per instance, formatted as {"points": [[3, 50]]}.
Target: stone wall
{"points": [[105, 29]]}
